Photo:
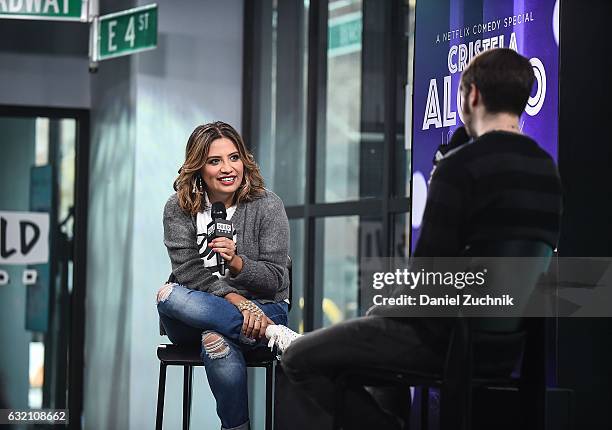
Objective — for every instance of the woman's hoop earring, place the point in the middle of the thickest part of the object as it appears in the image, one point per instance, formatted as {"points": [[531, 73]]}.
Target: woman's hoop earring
{"points": [[198, 185]]}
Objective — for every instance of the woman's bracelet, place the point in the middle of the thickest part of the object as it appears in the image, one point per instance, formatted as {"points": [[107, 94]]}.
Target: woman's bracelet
{"points": [[247, 305]]}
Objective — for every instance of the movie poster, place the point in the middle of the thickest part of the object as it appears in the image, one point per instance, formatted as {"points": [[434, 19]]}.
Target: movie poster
{"points": [[448, 34]]}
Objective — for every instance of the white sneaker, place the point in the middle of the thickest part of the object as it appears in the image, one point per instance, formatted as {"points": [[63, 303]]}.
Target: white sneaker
{"points": [[280, 336]]}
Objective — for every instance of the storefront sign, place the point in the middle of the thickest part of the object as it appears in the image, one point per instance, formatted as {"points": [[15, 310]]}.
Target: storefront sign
{"points": [[24, 238]]}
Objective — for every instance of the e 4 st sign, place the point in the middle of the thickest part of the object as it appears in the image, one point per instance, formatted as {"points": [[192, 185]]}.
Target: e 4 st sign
{"points": [[125, 33]]}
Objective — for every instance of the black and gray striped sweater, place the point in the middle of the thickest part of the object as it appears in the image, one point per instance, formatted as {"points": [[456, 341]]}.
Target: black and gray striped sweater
{"points": [[500, 186]]}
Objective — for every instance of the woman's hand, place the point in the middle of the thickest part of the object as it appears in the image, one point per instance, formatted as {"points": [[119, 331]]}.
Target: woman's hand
{"points": [[254, 321], [254, 324], [226, 248]]}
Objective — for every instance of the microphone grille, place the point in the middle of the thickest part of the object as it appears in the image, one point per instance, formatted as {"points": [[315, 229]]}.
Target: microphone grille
{"points": [[218, 211], [458, 138]]}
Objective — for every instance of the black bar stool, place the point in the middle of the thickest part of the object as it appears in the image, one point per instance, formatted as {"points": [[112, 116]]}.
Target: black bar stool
{"points": [[189, 357]]}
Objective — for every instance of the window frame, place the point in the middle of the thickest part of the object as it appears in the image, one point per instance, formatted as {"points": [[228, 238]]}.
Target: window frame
{"points": [[386, 207]]}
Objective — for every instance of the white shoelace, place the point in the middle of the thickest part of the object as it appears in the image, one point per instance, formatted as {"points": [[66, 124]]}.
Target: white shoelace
{"points": [[281, 336]]}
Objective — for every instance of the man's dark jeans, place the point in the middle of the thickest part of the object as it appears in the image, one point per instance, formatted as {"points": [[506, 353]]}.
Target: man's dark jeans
{"points": [[314, 361]]}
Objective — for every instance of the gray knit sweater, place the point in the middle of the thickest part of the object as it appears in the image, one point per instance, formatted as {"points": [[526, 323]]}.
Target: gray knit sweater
{"points": [[262, 242]]}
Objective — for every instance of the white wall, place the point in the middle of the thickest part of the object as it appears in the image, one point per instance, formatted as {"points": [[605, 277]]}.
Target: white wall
{"points": [[44, 80], [44, 63]]}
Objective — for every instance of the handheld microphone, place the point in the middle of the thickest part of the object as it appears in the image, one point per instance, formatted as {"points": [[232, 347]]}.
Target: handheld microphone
{"points": [[459, 137], [219, 227]]}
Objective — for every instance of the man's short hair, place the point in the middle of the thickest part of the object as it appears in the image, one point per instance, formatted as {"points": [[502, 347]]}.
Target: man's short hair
{"points": [[503, 77]]}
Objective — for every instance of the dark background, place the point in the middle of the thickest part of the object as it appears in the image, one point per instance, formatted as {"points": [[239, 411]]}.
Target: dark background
{"points": [[585, 162]]}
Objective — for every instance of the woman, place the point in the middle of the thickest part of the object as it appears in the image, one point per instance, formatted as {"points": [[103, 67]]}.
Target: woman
{"points": [[226, 312]]}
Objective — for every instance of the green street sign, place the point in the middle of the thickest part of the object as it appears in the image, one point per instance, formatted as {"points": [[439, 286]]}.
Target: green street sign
{"points": [[60, 10], [125, 33], [344, 34]]}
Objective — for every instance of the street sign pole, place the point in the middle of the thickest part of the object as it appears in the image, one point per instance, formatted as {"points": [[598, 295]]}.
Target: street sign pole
{"points": [[92, 17]]}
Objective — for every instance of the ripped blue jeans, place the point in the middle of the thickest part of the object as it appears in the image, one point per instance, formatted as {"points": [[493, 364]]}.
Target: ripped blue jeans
{"points": [[197, 318]]}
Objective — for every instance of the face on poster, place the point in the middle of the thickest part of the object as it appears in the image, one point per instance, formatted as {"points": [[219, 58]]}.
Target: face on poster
{"points": [[449, 33]]}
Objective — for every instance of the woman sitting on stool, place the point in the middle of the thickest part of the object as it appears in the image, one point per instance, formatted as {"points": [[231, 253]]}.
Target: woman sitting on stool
{"points": [[225, 312]]}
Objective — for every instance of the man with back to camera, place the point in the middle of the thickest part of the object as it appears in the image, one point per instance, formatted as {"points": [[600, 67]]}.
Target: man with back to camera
{"points": [[499, 185]]}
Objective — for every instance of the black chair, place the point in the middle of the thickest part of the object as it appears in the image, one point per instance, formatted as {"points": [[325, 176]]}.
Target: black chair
{"points": [[458, 378], [189, 357]]}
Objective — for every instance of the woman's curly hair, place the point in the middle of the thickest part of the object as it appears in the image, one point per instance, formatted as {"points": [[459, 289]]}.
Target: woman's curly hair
{"points": [[198, 145]]}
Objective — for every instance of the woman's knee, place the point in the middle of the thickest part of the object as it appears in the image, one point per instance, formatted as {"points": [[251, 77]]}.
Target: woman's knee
{"points": [[164, 292]]}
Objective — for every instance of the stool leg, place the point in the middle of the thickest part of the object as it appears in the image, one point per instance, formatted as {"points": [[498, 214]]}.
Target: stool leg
{"points": [[187, 383], [161, 393], [424, 393], [269, 396]]}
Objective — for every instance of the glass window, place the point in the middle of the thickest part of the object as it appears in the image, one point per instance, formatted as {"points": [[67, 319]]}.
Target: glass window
{"points": [[278, 135], [362, 113], [39, 163], [338, 156], [341, 241]]}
